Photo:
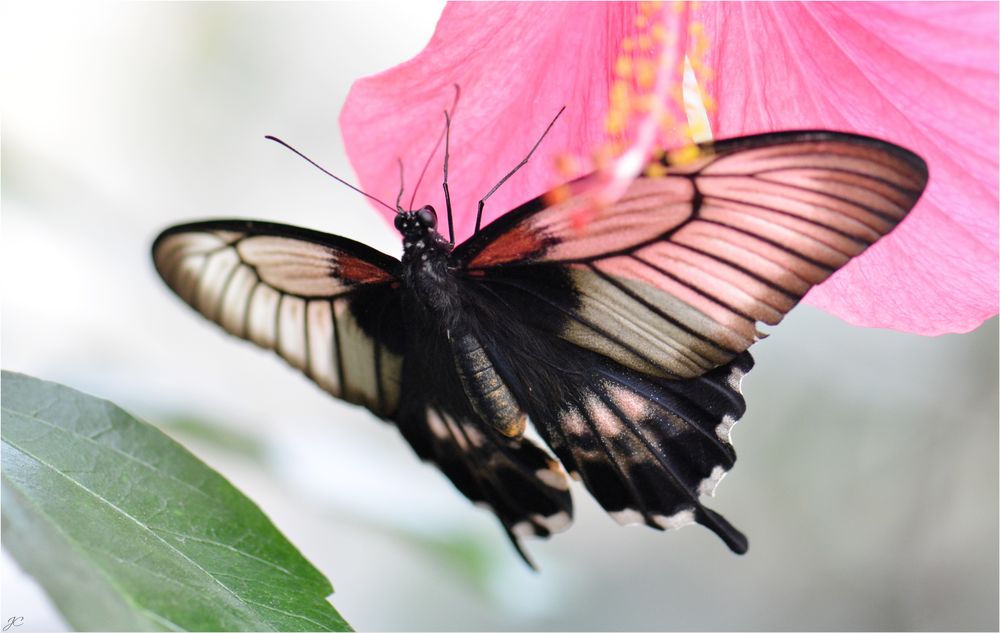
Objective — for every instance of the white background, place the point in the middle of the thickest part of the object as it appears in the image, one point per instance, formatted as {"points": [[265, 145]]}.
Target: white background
{"points": [[867, 479]]}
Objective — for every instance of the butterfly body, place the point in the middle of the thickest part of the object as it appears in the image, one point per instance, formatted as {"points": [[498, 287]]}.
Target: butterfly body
{"points": [[432, 284], [621, 338]]}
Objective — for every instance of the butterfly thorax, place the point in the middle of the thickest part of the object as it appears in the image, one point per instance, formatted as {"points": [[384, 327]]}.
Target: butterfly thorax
{"points": [[425, 260]]}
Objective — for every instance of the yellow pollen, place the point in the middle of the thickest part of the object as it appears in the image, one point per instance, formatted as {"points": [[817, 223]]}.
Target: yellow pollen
{"points": [[656, 170], [557, 195], [635, 73], [645, 73], [615, 122], [620, 93], [707, 101], [566, 164], [667, 121], [623, 66], [645, 103], [684, 155]]}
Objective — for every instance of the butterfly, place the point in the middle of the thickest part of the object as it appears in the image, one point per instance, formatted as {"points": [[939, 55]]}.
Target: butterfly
{"points": [[622, 339]]}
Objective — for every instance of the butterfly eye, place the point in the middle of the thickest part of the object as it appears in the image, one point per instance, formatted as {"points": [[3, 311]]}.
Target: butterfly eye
{"points": [[399, 221], [427, 216]]}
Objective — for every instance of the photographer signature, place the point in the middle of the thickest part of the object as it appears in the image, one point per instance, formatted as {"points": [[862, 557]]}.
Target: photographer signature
{"points": [[13, 622]]}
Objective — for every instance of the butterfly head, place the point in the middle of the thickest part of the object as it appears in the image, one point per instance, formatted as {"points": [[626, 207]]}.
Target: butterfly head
{"points": [[419, 229], [417, 223]]}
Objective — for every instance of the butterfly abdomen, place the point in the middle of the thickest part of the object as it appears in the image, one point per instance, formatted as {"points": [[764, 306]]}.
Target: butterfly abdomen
{"points": [[487, 392]]}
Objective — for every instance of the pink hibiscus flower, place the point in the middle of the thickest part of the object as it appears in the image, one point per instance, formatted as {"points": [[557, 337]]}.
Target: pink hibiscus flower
{"points": [[922, 75]]}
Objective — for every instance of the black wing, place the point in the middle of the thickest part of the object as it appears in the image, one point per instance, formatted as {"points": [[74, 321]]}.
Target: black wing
{"points": [[639, 314], [327, 305]]}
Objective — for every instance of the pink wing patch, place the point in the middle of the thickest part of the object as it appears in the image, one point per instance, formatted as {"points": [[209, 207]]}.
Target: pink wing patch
{"points": [[673, 278], [923, 74]]}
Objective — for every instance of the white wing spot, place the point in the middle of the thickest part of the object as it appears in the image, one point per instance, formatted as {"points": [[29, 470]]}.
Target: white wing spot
{"points": [[708, 484], [555, 523], [673, 522], [725, 427], [627, 517], [634, 406], [735, 379], [605, 420], [523, 529], [437, 425], [552, 477], [477, 438], [573, 422]]}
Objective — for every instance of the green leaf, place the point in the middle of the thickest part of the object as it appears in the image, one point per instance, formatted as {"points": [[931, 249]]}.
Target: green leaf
{"points": [[127, 530]]}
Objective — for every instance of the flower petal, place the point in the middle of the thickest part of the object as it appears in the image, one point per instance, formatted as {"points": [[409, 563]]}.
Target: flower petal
{"points": [[923, 75], [517, 64]]}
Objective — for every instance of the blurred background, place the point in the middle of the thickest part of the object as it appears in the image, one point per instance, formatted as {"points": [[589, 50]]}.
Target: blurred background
{"points": [[867, 479]]}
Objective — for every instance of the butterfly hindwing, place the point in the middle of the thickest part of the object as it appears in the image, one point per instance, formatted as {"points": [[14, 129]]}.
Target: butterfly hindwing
{"points": [[672, 278], [647, 448], [325, 304], [524, 486]]}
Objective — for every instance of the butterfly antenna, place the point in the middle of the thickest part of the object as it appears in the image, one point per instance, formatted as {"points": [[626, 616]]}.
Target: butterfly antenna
{"points": [[447, 194], [399, 209], [424, 170], [437, 144], [482, 203], [335, 177]]}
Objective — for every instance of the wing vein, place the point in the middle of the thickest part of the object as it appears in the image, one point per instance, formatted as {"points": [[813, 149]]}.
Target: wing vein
{"points": [[791, 251], [220, 304], [735, 265], [584, 322], [696, 289], [305, 341], [342, 379], [795, 216], [277, 325], [663, 315], [613, 460], [656, 452]]}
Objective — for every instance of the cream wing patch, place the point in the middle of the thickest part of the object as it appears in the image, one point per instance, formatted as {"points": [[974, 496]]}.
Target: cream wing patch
{"points": [[289, 295]]}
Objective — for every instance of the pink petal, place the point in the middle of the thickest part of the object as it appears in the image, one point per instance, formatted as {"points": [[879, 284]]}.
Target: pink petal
{"points": [[517, 64], [923, 75]]}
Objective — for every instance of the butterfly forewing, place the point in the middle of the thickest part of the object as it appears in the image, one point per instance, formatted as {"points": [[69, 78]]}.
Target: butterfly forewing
{"points": [[321, 302], [672, 279]]}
